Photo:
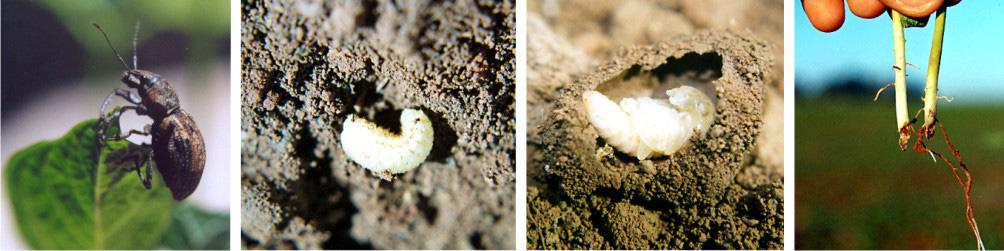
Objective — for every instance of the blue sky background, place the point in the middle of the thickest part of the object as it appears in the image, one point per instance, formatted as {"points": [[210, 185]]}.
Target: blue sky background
{"points": [[972, 63]]}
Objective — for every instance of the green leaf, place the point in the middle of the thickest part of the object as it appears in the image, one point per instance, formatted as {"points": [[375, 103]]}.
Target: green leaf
{"points": [[68, 194], [909, 22], [196, 228]]}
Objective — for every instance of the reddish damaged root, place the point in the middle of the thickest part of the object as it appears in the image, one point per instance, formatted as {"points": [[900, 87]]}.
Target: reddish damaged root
{"points": [[904, 135], [926, 132], [907, 130]]}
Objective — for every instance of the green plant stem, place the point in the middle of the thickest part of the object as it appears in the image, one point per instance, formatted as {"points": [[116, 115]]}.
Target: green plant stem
{"points": [[933, 67], [899, 49], [931, 110]]}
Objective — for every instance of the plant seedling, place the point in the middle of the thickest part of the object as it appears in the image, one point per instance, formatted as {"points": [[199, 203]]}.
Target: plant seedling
{"points": [[927, 130]]}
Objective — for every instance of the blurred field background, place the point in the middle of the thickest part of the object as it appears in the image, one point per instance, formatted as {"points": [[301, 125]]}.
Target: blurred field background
{"points": [[854, 188], [57, 69]]}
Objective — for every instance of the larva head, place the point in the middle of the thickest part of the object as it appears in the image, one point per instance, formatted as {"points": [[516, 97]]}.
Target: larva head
{"points": [[412, 117], [416, 120], [694, 102]]}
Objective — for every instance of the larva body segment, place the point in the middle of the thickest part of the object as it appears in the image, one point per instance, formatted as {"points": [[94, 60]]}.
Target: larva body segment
{"points": [[646, 127], [656, 124], [379, 150], [612, 123]]}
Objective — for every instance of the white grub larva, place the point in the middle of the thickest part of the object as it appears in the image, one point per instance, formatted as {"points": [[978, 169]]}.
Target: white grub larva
{"points": [[379, 150], [646, 127]]}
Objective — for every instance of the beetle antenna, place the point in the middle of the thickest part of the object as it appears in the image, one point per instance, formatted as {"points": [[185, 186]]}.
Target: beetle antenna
{"points": [[110, 45], [135, 36]]}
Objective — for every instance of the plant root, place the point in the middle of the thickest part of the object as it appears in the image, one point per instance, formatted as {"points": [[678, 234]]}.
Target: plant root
{"points": [[926, 132], [880, 90], [904, 136]]}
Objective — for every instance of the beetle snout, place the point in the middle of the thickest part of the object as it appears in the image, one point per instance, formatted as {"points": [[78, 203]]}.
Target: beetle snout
{"points": [[137, 78], [132, 79]]}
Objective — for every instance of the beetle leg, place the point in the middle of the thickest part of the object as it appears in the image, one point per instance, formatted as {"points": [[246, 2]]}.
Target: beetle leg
{"points": [[125, 94], [129, 96], [130, 133], [139, 165], [149, 177], [133, 97], [105, 122], [138, 108]]}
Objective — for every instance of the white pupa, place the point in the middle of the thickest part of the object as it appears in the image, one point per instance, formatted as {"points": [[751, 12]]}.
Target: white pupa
{"points": [[379, 150], [646, 127]]}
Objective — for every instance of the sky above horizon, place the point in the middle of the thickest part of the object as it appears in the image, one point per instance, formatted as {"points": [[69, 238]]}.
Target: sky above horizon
{"points": [[972, 63]]}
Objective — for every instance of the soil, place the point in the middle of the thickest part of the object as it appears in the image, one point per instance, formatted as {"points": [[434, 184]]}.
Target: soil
{"points": [[724, 191], [306, 65]]}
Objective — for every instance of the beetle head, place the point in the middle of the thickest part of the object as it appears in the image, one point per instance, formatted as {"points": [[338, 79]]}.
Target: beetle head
{"points": [[142, 79], [158, 95]]}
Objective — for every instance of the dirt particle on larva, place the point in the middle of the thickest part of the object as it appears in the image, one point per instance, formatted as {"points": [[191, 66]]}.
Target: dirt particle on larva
{"points": [[604, 152]]}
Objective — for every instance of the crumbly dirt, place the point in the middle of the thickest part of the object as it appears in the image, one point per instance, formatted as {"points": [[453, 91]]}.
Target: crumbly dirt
{"points": [[306, 65], [723, 191]]}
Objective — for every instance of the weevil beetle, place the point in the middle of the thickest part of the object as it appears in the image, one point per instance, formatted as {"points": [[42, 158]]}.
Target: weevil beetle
{"points": [[179, 151]]}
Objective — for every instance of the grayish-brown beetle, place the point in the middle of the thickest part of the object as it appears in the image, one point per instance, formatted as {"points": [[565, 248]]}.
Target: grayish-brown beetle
{"points": [[177, 146]]}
